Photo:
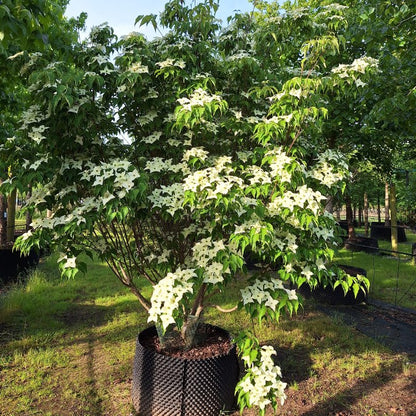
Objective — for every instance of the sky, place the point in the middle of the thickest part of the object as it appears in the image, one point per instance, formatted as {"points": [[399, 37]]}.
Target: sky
{"points": [[121, 14]]}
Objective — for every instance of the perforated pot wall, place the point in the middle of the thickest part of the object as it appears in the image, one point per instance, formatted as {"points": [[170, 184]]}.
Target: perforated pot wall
{"points": [[169, 386]]}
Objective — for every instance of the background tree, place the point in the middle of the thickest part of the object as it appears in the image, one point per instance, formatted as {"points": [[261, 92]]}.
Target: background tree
{"points": [[26, 28]]}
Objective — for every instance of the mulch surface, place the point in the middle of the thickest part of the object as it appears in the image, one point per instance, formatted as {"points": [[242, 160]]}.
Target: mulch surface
{"points": [[392, 326], [210, 342]]}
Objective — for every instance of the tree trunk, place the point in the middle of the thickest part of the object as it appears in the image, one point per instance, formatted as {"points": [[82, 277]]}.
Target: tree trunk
{"points": [[11, 215], [378, 208], [3, 220], [28, 216], [366, 213], [349, 215], [393, 216], [386, 205], [360, 216], [329, 207], [338, 213]]}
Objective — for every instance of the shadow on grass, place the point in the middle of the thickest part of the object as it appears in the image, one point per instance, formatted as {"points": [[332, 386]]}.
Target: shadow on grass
{"points": [[46, 304], [343, 401], [295, 362], [326, 346]]}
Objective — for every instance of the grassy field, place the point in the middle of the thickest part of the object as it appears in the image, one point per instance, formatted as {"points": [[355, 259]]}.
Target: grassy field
{"points": [[66, 348], [393, 279]]}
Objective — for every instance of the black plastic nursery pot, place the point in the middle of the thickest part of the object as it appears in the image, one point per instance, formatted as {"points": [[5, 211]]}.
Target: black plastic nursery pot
{"points": [[344, 224], [12, 263], [330, 296], [163, 385], [381, 232], [358, 243]]}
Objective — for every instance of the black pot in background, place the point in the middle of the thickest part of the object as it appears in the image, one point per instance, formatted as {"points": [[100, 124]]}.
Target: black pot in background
{"points": [[381, 232], [12, 263], [171, 386], [337, 297], [358, 243]]}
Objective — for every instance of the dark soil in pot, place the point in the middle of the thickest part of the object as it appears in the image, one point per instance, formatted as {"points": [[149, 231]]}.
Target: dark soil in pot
{"points": [[211, 341]]}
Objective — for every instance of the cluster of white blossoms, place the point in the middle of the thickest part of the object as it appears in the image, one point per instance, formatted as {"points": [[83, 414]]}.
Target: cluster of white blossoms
{"points": [[254, 223], [147, 118], [263, 380], [36, 133], [77, 215], [68, 262], [167, 295], [261, 292], [204, 256], [122, 175], [326, 174], [330, 168], [216, 180], [304, 197], [154, 137], [171, 62], [241, 55], [158, 164], [36, 164], [169, 197], [196, 152], [199, 98], [258, 176], [39, 194], [279, 161], [138, 68], [32, 115], [359, 65]]}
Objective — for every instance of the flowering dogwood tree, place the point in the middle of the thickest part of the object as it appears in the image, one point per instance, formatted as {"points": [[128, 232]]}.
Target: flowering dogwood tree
{"points": [[220, 156]]}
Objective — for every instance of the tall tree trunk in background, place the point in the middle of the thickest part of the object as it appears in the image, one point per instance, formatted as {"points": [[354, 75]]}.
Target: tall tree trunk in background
{"points": [[349, 215], [28, 216], [366, 213], [378, 209], [3, 220], [393, 212], [11, 215], [329, 207], [386, 205], [338, 214], [360, 215]]}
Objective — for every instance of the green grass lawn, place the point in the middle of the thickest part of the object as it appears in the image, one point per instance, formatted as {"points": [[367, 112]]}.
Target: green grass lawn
{"points": [[393, 279], [66, 348]]}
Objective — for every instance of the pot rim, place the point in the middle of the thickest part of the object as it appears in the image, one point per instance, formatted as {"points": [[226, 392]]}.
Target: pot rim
{"points": [[152, 329]]}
